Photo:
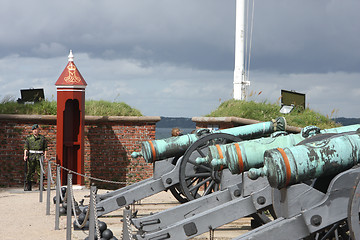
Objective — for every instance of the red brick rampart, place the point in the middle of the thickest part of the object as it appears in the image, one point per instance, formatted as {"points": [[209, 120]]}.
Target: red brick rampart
{"points": [[109, 141]]}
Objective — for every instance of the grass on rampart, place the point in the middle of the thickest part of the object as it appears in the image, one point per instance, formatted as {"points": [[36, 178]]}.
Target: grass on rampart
{"points": [[264, 111], [92, 107]]}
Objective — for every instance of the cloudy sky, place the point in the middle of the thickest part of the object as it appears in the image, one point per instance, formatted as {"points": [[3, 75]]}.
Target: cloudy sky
{"points": [[176, 57]]}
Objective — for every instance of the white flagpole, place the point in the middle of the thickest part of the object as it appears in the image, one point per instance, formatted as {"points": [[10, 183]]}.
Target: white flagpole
{"points": [[240, 82]]}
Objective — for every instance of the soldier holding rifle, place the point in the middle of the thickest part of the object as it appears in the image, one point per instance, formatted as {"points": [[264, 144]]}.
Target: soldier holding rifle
{"points": [[35, 150]]}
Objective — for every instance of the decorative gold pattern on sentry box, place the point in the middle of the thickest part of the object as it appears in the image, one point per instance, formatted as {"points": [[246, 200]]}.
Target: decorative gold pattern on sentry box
{"points": [[72, 78]]}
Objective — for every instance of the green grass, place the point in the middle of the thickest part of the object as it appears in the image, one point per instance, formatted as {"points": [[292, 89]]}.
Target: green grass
{"points": [[92, 107], [265, 111], [104, 108], [42, 108], [262, 111]]}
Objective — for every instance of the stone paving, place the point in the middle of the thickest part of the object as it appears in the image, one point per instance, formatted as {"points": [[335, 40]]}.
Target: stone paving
{"points": [[24, 217]]}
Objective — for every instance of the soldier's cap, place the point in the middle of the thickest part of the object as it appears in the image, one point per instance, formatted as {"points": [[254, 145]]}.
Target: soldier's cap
{"points": [[35, 126]]}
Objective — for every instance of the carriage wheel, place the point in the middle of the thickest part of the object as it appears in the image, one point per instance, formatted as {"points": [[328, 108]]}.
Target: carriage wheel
{"points": [[197, 180]]}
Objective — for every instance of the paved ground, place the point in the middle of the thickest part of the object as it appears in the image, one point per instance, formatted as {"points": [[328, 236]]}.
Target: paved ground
{"points": [[24, 217]]}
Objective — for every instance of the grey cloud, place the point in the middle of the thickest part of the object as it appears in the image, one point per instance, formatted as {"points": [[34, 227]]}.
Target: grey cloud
{"points": [[97, 27], [172, 90], [289, 36], [141, 51], [48, 50], [307, 36]]}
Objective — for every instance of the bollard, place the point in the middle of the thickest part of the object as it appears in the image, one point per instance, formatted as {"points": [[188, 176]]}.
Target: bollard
{"points": [[68, 204], [126, 234], [57, 208], [48, 189], [92, 214]]}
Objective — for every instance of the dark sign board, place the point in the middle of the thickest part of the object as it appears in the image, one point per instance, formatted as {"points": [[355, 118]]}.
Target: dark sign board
{"points": [[31, 95], [289, 98]]}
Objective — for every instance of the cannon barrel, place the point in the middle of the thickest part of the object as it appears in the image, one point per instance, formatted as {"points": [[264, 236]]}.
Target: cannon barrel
{"points": [[176, 146], [242, 156], [332, 155]]}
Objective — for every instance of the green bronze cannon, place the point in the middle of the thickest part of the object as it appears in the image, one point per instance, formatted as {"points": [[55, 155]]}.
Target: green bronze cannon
{"points": [[176, 146], [241, 156], [309, 160], [185, 180]]}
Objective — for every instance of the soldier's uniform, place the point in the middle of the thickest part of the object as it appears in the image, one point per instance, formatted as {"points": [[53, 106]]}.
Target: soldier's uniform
{"points": [[36, 147]]}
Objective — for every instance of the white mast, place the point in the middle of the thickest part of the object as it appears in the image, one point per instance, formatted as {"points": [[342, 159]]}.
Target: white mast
{"points": [[240, 82]]}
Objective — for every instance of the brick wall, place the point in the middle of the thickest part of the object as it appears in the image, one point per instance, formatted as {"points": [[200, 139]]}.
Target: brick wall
{"points": [[109, 141]]}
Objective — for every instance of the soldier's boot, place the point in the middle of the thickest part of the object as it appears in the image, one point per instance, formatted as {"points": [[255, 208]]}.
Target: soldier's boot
{"points": [[28, 186]]}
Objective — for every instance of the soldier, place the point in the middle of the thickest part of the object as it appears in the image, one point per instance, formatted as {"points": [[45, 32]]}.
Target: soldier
{"points": [[35, 148]]}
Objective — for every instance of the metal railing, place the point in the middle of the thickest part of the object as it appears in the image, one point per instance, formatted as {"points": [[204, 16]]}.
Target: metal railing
{"points": [[69, 199]]}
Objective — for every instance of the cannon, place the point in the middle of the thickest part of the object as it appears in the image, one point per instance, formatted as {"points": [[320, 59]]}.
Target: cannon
{"points": [[241, 156], [332, 155], [175, 172], [244, 198], [176, 146], [307, 209]]}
